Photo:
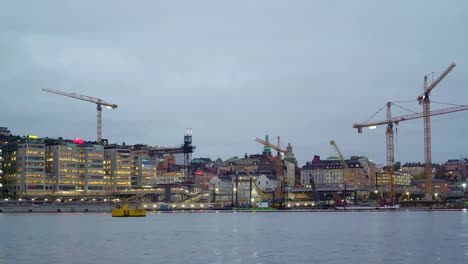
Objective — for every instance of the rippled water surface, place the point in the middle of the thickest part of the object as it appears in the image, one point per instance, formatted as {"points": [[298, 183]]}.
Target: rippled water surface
{"points": [[267, 237]]}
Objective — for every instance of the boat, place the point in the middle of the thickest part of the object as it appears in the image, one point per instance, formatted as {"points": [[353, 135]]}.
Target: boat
{"points": [[125, 211]]}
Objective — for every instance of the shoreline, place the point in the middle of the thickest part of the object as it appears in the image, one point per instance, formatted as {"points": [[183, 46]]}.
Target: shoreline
{"points": [[108, 209]]}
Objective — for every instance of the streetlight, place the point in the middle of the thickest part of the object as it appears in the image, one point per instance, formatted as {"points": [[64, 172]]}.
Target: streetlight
{"points": [[214, 194], [463, 185], [250, 191], [237, 187]]}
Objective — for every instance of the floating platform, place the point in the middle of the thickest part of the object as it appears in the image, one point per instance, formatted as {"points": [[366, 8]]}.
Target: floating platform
{"points": [[125, 211]]}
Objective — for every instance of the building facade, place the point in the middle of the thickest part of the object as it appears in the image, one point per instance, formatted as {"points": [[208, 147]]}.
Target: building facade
{"points": [[24, 169], [399, 178], [91, 168], [330, 172], [118, 167], [62, 167], [144, 169]]}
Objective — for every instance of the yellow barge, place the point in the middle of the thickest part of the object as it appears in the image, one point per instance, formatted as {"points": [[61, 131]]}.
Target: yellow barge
{"points": [[124, 211]]}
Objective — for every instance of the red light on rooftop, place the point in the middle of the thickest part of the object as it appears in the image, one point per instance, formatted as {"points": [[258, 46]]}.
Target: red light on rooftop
{"points": [[78, 141]]}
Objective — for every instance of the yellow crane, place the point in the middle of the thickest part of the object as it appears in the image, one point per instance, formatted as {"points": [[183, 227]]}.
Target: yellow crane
{"points": [[346, 172], [254, 182], [99, 103]]}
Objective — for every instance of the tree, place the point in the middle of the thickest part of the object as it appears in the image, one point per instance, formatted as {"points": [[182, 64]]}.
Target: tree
{"points": [[440, 172], [397, 166]]}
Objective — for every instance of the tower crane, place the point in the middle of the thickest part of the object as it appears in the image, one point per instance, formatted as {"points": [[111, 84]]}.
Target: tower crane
{"points": [[346, 171], [426, 103], [97, 101], [279, 167], [390, 121]]}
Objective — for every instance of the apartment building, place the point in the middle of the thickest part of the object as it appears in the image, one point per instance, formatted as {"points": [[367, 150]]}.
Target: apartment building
{"points": [[329, 172]]}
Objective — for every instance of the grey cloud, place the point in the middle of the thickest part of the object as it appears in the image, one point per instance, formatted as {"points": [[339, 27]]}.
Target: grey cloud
{"points": [[305, 70]]}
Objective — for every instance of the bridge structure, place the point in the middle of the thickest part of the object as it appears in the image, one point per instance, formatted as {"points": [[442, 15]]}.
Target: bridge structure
{"points": [[161, 193]]}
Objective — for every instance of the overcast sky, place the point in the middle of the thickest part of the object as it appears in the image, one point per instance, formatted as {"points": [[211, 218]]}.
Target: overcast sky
{"points": [[234, 70]]}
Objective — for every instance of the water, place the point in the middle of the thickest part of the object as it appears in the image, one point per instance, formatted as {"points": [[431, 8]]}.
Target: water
{"points": [[268, 237]]}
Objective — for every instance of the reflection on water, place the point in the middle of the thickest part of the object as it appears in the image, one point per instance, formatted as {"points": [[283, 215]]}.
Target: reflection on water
{"points": [[335, 237]]}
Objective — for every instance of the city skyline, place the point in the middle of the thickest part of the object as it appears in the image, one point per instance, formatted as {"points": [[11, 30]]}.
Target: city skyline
{"points": [[304, 71]]}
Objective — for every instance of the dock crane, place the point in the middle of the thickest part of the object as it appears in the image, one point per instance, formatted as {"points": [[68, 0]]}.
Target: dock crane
{"points": [[97, 101], [426, 103], [390, 122]]}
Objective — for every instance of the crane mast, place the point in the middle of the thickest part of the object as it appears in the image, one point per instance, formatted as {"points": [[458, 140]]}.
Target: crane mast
{"points": [[99, 103], [424, 99], [390, 150]]}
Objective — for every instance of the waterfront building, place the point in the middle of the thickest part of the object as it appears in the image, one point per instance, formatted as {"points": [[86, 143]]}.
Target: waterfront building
{"points": [[400, 178], [62, 167], [118, 166], [237, 187], [24, 168], [329, 172], [91, 168], [144, 169], [362, 171]]}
